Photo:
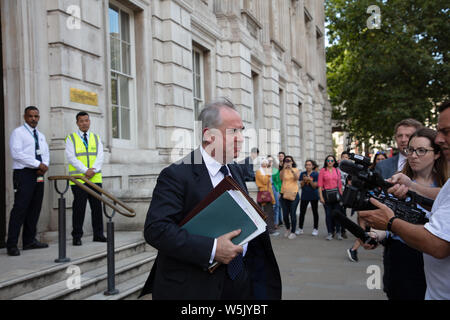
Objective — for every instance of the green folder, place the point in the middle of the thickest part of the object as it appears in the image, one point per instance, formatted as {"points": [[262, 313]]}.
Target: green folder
{"points": [[221, 216]]}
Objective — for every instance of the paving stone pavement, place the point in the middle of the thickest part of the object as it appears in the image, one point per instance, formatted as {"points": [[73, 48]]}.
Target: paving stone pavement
{"points": [[314, 268]]}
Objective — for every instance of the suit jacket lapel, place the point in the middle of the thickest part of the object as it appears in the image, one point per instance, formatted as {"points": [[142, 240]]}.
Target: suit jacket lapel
{"points": [[201, 175], [235, 172]]}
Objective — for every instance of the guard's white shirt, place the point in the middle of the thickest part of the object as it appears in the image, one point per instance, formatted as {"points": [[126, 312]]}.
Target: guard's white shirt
{"points": [[216, 176], [23, 148], [70, 154]]}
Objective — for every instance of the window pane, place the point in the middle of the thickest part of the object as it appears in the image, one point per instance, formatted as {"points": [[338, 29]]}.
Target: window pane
{"points": [[125, 26], [115, 122], [196, 108], [125, 58], [114, 97], [114, 22], [193, 83], [125, 123], [197, 62], [115, 54], [198, 91], [124, 94]]}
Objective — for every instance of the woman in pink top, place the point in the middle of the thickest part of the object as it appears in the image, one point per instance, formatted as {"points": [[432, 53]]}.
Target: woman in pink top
{"points": [[330, 178]]}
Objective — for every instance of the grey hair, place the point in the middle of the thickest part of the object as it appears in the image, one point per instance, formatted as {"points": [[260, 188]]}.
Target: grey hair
{"points": [[210, 115]]}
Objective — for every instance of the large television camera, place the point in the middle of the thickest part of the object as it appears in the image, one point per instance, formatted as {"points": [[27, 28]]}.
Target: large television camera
{"points": [[366, 184]]}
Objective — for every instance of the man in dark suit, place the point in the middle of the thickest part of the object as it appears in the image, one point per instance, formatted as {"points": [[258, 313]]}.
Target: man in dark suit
{"points": [[248, 165], [180, 269], [403, 130]]}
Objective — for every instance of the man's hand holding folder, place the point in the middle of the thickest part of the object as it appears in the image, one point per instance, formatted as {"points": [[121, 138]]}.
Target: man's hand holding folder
{"points": [[227, 250], [229, 215]]}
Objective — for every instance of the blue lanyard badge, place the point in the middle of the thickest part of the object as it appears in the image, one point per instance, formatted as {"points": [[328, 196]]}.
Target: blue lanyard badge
{"points": [[35, 137], [38, 152]]}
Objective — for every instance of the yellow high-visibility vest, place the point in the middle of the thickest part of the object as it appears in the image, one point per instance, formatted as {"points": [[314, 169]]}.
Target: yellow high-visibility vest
{"points": [[86, 154]]}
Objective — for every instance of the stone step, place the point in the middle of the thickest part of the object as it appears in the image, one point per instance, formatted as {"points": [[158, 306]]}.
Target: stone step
{"points": [[95, 281], [128, 290], [21, 285]]}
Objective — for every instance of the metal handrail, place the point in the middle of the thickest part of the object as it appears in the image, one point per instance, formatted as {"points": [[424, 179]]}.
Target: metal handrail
{"points": [[111, 290], [131, 213]]}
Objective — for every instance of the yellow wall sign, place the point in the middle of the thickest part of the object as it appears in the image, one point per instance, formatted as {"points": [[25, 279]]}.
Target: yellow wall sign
{"points": [[84, 97]]}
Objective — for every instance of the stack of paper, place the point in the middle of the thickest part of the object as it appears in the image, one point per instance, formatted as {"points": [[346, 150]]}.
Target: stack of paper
{"points": [[228, 212]]}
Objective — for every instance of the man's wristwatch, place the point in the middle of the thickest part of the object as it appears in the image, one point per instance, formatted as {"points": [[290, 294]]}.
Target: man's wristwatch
{"points": [[389, 225]]}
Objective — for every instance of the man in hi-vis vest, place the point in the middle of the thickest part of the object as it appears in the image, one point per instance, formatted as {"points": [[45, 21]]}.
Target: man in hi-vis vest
{"points": [[84, 151]]}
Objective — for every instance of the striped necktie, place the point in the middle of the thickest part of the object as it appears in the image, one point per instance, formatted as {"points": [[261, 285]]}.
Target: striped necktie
{"points": [[85, 139], [36, 145]]}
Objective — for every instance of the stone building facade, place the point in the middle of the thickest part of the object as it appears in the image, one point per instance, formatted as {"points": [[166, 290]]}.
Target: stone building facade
{"points": [[143, 69]]}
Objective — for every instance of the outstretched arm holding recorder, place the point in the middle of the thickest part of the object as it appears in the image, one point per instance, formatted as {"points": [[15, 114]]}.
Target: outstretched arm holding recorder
{"points": [[416, 236], [403, 184]]}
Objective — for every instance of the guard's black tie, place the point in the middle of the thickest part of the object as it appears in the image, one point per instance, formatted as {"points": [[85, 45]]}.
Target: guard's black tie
{"points": [[237, 264], [36, 146]]}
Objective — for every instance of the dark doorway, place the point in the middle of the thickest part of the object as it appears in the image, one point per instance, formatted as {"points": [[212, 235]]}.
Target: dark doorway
{"points": [[2, 154]]}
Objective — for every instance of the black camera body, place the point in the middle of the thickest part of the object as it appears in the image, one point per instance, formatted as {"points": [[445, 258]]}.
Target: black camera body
{"points": [[366, 184]]}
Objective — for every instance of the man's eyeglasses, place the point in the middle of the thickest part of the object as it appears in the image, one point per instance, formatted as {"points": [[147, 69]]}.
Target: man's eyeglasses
{"points": [[419, 151]]}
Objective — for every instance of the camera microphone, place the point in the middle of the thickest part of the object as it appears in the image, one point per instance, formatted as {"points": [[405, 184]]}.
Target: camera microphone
{"points": [[356, 169], [355, 229], [350, 167]]}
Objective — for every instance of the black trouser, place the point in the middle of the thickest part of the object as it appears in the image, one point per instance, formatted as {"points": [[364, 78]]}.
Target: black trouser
{"points": [[239, 288], [344, 212], [80, 198], [267, 208], [303, 207], [332, 224], [404, 276], [289, 209], [28, 197]]}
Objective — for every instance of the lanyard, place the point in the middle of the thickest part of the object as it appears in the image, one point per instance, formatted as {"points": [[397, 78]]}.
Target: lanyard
{"points": [[84, 142], [36, 140]]}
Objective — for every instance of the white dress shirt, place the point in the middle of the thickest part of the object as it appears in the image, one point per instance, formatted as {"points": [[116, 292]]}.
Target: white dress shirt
{"points": [[23, 148], [401, 161], [70, 154], [216, 176]]}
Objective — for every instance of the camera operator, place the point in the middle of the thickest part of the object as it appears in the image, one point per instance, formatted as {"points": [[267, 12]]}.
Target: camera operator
{"points": [[433, 238]]}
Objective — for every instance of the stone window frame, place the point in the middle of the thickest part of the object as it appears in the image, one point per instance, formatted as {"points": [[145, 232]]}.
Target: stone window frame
{"points": [[118, 142], [201, 75], [196, 50]]}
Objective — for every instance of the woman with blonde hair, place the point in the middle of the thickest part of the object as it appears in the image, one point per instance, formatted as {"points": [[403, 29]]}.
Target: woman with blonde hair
{"points": [[265, 197]]}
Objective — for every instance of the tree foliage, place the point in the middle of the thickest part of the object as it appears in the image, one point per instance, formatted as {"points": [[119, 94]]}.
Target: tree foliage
{"points": [[376, 77]]}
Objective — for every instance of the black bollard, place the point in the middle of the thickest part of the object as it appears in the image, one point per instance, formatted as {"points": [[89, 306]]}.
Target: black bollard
{"points": [[62, 227], [110, 257]]}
